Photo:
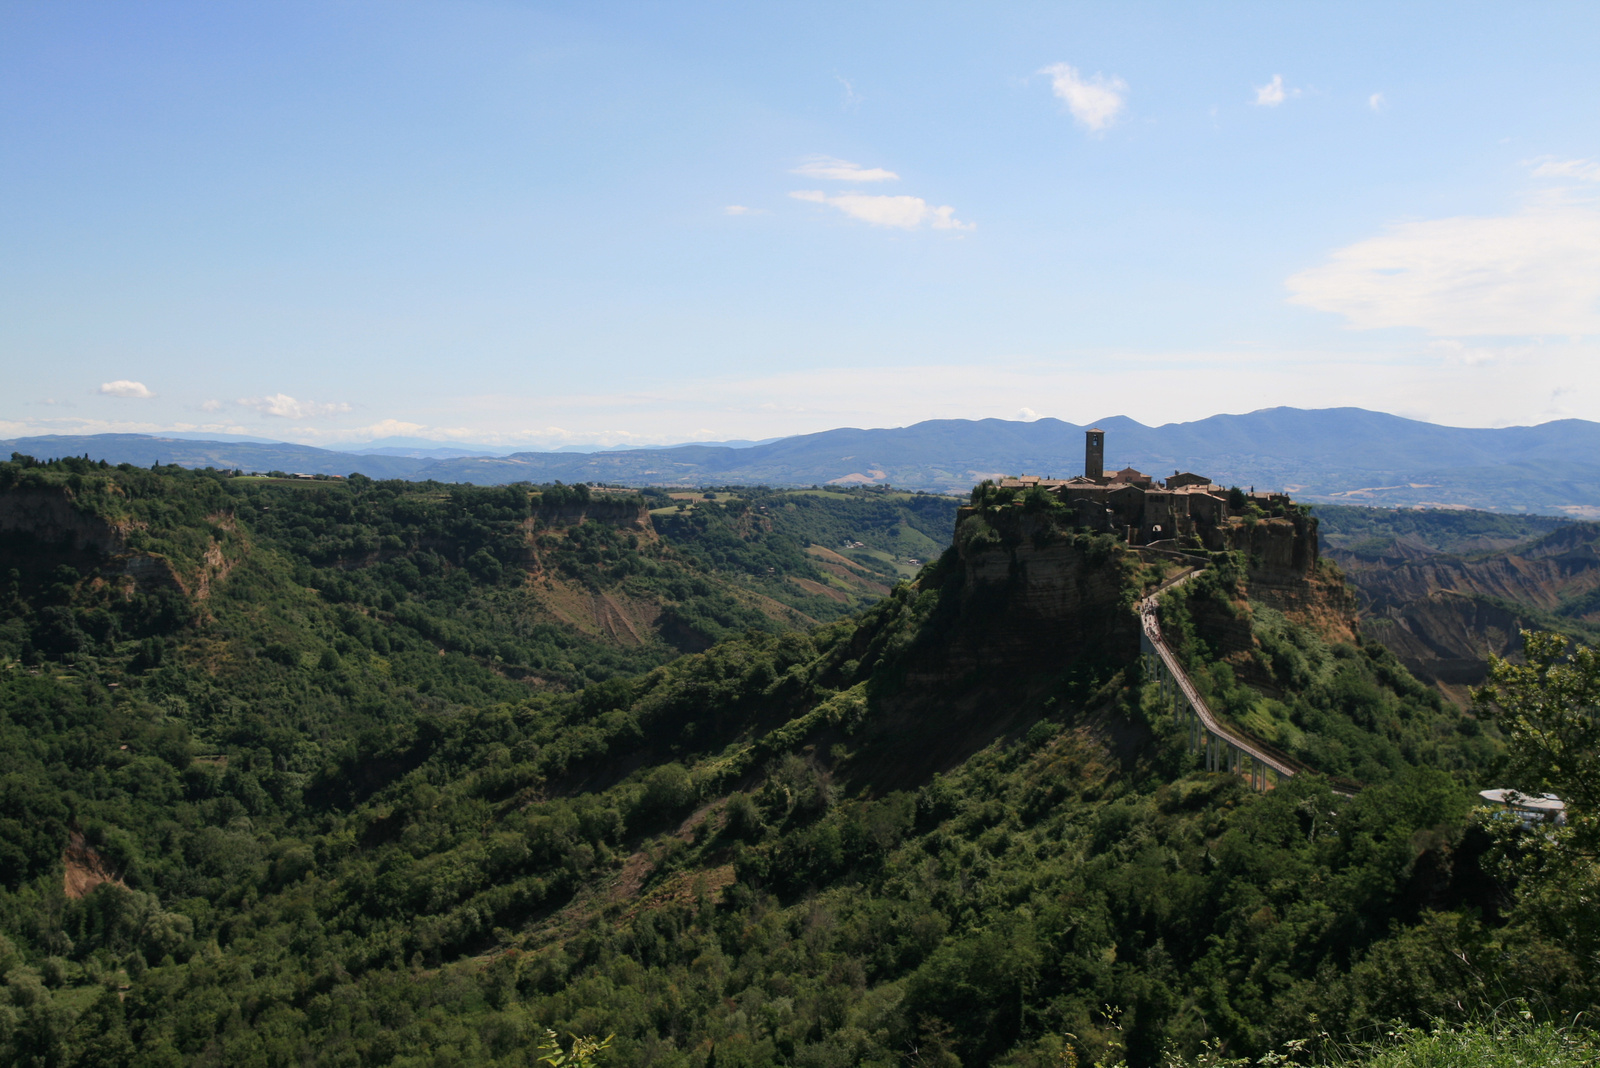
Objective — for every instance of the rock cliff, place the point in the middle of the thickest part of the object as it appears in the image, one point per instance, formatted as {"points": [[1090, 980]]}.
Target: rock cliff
{"points": [[48, 517], [624, 514], [1042, 594], [47, 525]]}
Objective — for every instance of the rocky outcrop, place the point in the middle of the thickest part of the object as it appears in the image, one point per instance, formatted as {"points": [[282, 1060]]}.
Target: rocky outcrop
{"points": [[1447, 638], [1286, 545], [624, 514], [1039, 593], [1031, 597], [48, 517], [47, 524]]}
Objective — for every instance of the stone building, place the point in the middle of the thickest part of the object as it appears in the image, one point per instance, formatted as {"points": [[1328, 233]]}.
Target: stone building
{"points": [[1185, 510]]}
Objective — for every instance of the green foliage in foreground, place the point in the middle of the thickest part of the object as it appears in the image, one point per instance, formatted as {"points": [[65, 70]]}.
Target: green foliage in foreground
{"points": [[1543, 1044], [1518, 1041]]}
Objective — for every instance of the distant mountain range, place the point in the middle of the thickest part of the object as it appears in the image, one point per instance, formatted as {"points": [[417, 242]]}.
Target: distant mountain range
{"points": [[1344, 455]]}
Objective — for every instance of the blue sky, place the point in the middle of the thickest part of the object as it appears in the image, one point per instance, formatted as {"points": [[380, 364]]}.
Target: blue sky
{"points": [[535, 224]]}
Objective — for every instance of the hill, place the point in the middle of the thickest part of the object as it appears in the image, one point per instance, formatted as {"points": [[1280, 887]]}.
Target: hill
{"points": [[552, 586], [1335, 455], [958, 827], [146, 450], [1446, 590]]}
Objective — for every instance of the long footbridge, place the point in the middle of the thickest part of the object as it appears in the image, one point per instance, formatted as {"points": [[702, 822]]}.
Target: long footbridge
{"points": [[1225, 748]]}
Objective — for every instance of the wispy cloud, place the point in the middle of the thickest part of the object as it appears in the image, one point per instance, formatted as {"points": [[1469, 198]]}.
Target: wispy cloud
{"points": [[828, 169], [906, 213], [113, 426], [1376, 102], [1536, 272], [1585, 169], [1273, 93], [122, 387], [1095, 102], [852, 99], [736, 209], [286, 407], [1452, 351]]}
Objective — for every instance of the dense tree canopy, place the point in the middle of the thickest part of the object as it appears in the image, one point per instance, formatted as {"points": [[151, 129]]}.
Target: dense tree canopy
{"points": [[332, 820]]}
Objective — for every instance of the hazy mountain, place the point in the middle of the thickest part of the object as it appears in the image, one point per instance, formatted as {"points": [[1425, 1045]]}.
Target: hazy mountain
{"points": [[422, 452], [1336, 455], [143, 450]]}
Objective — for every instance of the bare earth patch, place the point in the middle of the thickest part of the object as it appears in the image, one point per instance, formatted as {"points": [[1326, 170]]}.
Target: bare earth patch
{"points": [[86, 869]]}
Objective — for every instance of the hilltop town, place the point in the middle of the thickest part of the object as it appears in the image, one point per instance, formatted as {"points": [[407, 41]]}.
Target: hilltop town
{"points": [[1185, 510]]}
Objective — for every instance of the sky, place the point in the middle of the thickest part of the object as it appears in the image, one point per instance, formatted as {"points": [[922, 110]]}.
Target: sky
{"points": [[537, 224]]}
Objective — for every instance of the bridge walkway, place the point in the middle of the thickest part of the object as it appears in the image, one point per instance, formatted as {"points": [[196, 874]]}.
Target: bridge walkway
{"points": [[1225, 748]]}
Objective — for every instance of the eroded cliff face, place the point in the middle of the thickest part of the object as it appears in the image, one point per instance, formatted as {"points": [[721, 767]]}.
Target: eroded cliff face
{"points": [[1032, 597], [47, 526], [48, 518], [1283, 544], [1285, 571], [620, 514], [1447, 638], [1444, 614]]}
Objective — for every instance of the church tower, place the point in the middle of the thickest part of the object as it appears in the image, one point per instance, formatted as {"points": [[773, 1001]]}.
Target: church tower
{"points": [[1094, 454]]}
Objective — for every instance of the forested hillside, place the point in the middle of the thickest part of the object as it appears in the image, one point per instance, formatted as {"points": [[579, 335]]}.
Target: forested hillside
{"points": [[288, 776]]}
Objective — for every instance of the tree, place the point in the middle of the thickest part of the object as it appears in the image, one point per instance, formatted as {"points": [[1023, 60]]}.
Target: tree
{"points": [[1549, 708], [584, 1052], [1550, 711]]}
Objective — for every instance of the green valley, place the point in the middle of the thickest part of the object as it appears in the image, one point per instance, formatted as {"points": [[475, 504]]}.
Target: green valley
{"points": [[359, 772]]}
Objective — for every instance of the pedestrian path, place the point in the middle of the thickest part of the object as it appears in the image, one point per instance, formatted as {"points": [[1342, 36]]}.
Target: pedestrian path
{"points": [[1225, 748]]}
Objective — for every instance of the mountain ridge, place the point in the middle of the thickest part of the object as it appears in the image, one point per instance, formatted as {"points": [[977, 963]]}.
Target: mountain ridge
{"points": [[1330, 455]]}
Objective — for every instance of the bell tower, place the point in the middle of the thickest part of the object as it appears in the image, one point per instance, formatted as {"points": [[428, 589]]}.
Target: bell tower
{"points": [[1094, 454]]}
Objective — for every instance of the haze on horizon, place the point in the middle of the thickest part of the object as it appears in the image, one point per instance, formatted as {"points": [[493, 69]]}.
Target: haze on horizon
{"points": [[533, 224]]}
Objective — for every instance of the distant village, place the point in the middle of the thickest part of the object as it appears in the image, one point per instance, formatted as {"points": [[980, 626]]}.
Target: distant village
{"points": [[1185, 508]]}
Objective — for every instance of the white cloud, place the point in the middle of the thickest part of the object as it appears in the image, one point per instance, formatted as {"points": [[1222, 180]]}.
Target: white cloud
{"points": [[286, 407], [736, 209], [907, 213], [1273, 93], [828, 169], [1376, 102], [1026, 415], [1586, 169], [124, 388], [1095, 102], [390, 428], [211, 406], [1533, 273]]}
